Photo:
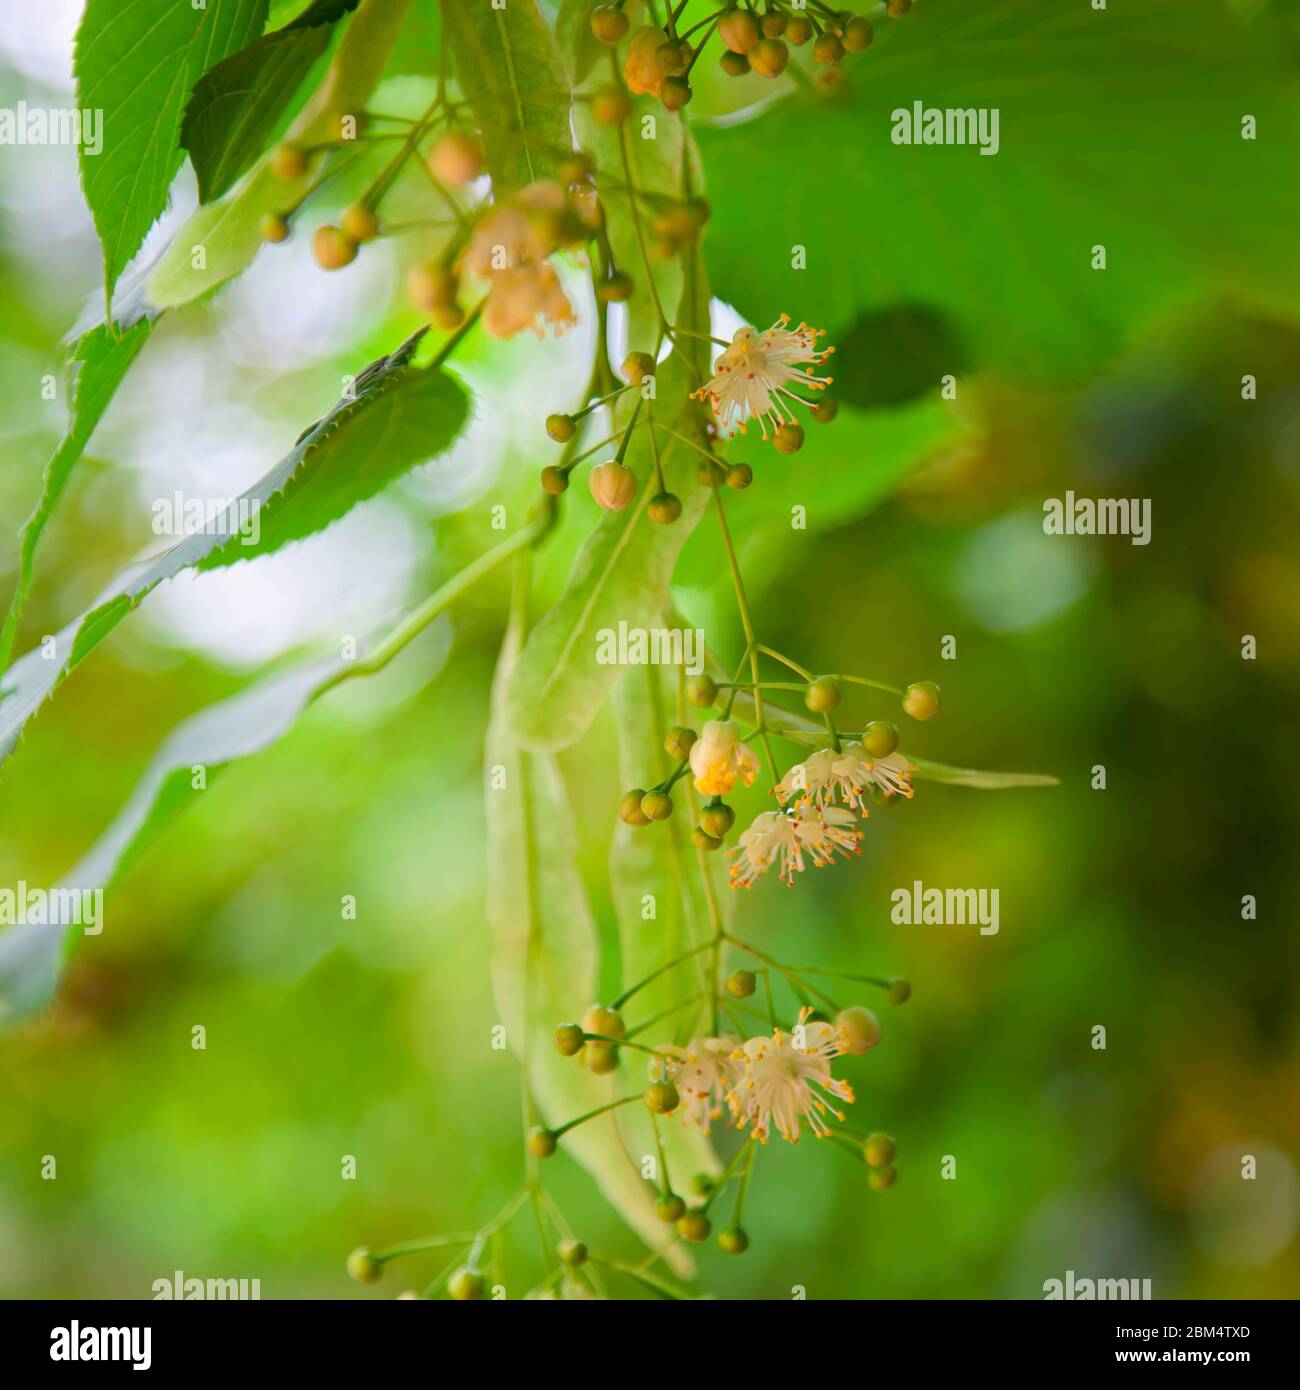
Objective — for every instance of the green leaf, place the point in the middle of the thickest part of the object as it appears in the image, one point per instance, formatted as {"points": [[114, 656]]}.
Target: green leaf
{"points": [[580, 47], [1119, 128], [238, 106], [398, 417], [986, 781], [509, 70], [135, 62], [229, 231], [99, 362], [545, 956]]}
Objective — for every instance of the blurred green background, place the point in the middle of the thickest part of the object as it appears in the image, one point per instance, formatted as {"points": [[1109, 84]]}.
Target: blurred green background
{"points": [[1119, 907]]}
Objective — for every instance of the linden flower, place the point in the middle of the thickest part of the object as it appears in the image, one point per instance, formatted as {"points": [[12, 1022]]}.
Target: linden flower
{"points": [[703, 1072], [818, 833], [644, 70], [845, 774], [753, 375], [508, 249], [719, 756], [787, 1078]]}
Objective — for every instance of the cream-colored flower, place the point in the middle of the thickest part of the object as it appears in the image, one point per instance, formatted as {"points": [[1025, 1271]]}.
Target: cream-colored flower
{"points": [[719, 756], [509, 249], [703, 1072], [787, 1078], [799, 834], [845, 774], [752, 377], [645, 70]]}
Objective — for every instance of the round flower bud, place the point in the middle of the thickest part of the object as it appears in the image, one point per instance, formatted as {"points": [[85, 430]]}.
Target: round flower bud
{"points": [[880, 738], [861, 1027], [599, 1019], [702, 691], [467, 1286], [540, 1142], [661, 1097], [637, 366], [656, 805], [733, 1241], [900, 991], [921, 700], [431, 286], [669, 1207], [702, 1184], [674, 56], [611, 106], [675, 93], [664, 508], [363, 1267], [799, 30], [827, 49], [717, 820], [332, 249], [695, 1226], [738, 29], [858, 34], [822, 696], [359, 223], [554, 480], [882, 1178], [679, 742], [788, 439], [572, 1253], [734, 64], [616, 288], [773, 24], [896, 9], [629, 809], [711, 473], [879, 1150], [274, 227], [600, 1058], [826, 410], [289, 161], [703, 840], [609, 23], [456, 158], [769, 57], [741, 984], [568, 1039], [561, 427], [447, 316], [739, 476], [612, 484]]}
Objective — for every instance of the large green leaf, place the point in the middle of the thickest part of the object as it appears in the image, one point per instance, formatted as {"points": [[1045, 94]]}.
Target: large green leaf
{"points": [[135, 62], [510, 72], [99, 362], [580, 47], [1119, 127], [398, 417], [238, 106], [545, 957], [228, 232]]}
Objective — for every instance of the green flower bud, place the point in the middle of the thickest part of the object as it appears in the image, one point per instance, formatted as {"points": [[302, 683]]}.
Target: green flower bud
{"points": [[739, 476], [637, 366], [572, 1253], [656, 805], [858, 34], [702, 1184], [788, 439], [799, 30], [717, 819], [741, 984], [332, 249], [363, 1267], [467, 1286], [675, 93], [568, 1039], [899, 991], [734, 64], [882, 1178], [822, 695], [600, 1058], [629, 809], [879, 1150], [289, 162], [679, 742], [738, 29], [896, 9], [733, 1241], [861, 1027], [612, 484], [540, 1141], [616, 288], [702, 691], [359, 223], [609, 23], [554, 480], [561, 428], [674, 56], [880, 738], [705, 841], [826, 410], [710, 472], [695, 1226], [669, 1207], [661, 1097], [773, 24], [664, 508], [607, 1022], [921, 700], [274, 227], [611, 105], [769, 57], [827, 49]]}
